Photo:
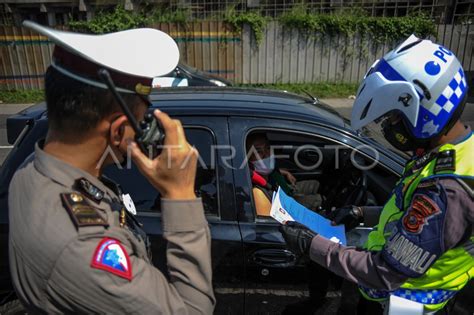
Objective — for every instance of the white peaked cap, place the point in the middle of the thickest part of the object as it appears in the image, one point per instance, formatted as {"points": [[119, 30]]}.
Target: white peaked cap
{"points": [[132, 55]]}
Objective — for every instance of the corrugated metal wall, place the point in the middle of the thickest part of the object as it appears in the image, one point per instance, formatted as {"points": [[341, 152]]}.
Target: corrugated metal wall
{"points": [[284, 55], [209, 46], [24, 56], [288, 56]]}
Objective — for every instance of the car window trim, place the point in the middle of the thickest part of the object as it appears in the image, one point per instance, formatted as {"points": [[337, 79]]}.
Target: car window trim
{"points": [[218, 215], [323, 137], [253, 129]]}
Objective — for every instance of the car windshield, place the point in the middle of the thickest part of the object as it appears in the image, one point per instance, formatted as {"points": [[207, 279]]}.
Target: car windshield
{"points": [[187, 67]]}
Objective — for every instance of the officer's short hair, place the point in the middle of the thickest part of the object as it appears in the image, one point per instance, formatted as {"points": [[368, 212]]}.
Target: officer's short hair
{"points": [[74, 108]]}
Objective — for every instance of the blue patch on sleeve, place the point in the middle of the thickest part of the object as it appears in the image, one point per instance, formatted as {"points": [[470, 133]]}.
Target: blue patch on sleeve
{"points": [[418, 240], [111, 256]]}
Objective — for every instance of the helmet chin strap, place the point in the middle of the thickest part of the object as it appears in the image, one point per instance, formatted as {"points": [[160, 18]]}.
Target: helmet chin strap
{"points": [[398, 135]]}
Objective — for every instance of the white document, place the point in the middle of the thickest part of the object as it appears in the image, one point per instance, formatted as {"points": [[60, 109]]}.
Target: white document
{"points": [[277, 212], [401, 306], [285, 208]]}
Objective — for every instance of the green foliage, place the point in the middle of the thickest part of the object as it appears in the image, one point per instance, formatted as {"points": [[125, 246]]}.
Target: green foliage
{"points": [[378, 29], [21, 96], [106, 22], [345, 23], [178, 16], [254, 19], [320, 90], [120, 19]]}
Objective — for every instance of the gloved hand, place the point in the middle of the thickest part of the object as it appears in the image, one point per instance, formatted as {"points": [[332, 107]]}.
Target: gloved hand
{"points": [[297, 236], [350, 216]]}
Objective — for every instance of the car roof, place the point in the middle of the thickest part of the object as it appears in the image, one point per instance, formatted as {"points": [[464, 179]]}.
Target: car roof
{"points": [[246, 101]]}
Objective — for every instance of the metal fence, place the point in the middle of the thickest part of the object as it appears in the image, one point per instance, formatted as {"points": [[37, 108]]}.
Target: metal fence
{"points": [[443, 11], [283, 56]]}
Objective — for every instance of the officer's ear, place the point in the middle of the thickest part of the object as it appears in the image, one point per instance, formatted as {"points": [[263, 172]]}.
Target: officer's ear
{"points": [[117, 129]]}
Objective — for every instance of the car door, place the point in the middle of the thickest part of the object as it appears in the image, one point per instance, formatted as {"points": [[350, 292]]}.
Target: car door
{"points": [[276, 277], [214, 184]]}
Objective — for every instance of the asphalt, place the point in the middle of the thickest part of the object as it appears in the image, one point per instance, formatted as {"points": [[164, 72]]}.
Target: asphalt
{"points": [[7, 110]]}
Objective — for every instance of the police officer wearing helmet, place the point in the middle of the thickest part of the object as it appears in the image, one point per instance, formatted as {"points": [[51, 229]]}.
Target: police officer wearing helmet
{"points": [[74, 244], [422, 247]]}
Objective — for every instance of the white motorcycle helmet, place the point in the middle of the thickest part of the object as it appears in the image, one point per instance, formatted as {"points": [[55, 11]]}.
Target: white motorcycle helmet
{"points": [[423, 83]]}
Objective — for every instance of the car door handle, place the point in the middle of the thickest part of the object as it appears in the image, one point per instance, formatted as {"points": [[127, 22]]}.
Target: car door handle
{"points": [[274, 257]]}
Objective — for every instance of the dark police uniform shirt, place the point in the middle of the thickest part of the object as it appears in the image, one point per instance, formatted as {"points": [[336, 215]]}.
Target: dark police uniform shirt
{"points": [[373, 269], [69, 254]]}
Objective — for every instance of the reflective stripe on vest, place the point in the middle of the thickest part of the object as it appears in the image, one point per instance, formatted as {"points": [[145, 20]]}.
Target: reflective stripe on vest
{"points": [[453, 269], [420, 296]]}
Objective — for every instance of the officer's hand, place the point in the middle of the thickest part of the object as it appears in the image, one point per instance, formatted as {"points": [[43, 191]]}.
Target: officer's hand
{"points": [[350, 216], [173, 172], [297, 236]]}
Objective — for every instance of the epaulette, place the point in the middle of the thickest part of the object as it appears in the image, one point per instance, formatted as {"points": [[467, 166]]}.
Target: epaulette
{"points": [[445, 161], [81, 212]]}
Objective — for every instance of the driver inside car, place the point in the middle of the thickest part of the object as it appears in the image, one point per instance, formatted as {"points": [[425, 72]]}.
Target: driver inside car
{"points": [[266, 178]]}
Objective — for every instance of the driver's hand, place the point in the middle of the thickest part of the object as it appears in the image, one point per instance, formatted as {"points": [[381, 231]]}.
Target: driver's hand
{"points": [[173, 172], [289, 177], [350, 216]]}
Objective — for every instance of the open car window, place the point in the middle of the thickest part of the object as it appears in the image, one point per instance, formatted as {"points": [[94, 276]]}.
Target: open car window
{"points": [[337, 174]]}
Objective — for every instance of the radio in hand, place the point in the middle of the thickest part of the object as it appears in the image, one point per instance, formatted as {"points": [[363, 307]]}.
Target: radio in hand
{"points": [[149, 134]]}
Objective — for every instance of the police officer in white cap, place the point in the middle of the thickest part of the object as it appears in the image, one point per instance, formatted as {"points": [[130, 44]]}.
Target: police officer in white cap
{"points": [[73, 246]]}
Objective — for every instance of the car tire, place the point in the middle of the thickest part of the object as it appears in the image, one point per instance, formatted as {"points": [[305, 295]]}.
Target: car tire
{"points": [[12, 308]]}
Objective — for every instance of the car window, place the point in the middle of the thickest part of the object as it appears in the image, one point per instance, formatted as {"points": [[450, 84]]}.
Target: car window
{"points": [[147, 199], [328, 174]]}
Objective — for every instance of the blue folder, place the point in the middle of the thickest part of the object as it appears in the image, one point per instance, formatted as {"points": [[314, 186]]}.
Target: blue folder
{"points": [[312, 220]]}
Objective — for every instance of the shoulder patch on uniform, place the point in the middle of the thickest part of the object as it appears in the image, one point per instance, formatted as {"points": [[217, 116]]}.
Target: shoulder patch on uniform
{"points": [[81, 212], [445, 161], [111, 256], [421, 210]]}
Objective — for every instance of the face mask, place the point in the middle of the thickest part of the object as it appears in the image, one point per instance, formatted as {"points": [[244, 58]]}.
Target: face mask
{"points": [[264, 166]]}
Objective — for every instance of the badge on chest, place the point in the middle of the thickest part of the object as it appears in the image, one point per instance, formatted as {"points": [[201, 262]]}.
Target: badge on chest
{"points": [[128, 204]]}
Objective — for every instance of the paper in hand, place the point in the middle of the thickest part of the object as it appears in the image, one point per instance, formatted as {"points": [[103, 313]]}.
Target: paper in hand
{"points": [[278, 212], [284, 208]]}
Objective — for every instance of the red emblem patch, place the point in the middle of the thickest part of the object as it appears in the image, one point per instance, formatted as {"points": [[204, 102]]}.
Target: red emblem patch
{"points": [[111, 256], [421, 210]]}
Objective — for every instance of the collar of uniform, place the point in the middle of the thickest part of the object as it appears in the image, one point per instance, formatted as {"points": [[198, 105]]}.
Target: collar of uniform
{"points": [[62, 172], [421, 161], [467, 135], [458, 140]]}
